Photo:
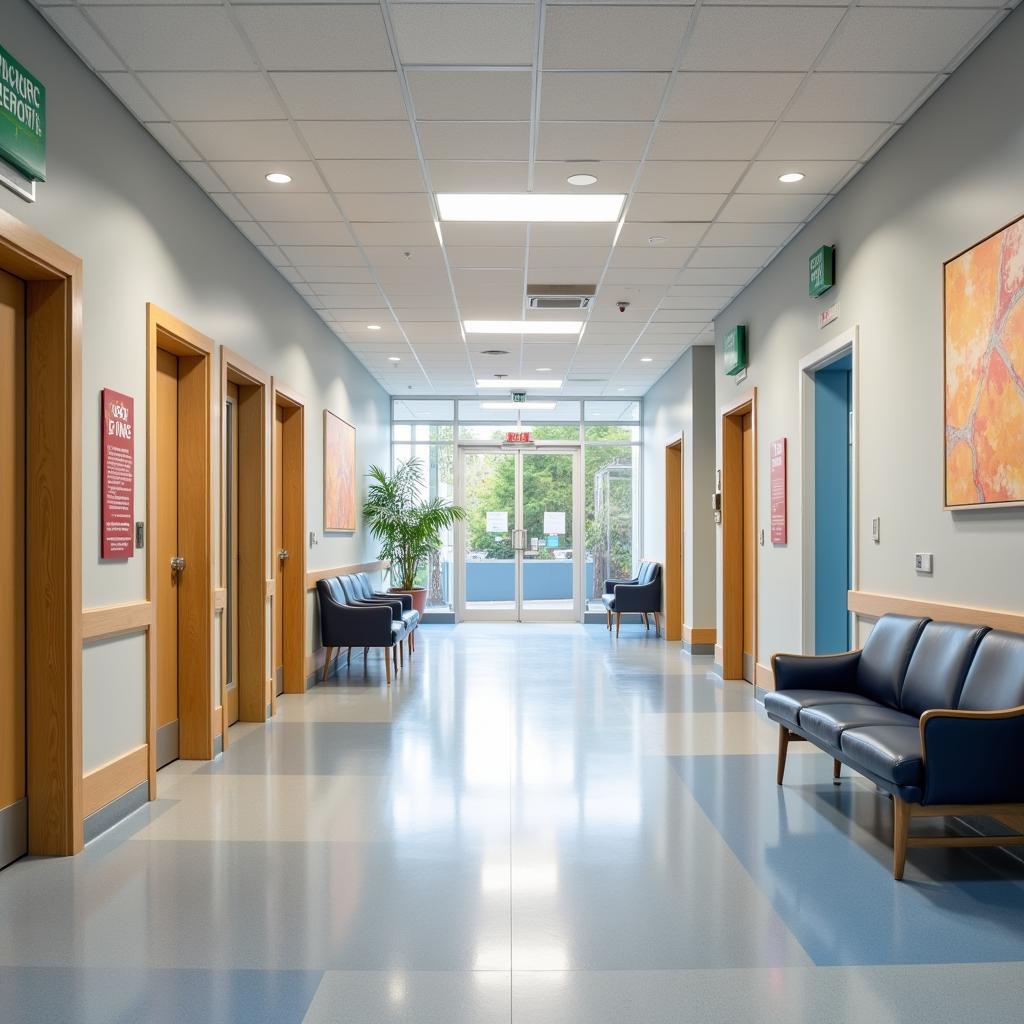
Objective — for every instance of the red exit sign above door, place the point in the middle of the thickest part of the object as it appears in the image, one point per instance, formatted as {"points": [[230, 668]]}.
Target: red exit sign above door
{"points": [[518, 437]]}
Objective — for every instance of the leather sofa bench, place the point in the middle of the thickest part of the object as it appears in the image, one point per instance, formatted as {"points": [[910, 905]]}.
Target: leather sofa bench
{"points": [[931, 712], [352, 614]]}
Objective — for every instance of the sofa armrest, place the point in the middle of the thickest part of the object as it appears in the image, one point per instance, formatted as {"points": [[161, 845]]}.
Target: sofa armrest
{"points": [[348, 625], [638, 597], [973, 757], [406, 599], [816, 672], [610, 585]]}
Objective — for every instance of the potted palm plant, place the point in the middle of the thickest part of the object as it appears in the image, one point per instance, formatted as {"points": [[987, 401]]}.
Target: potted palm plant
{"points": [[407, 528]]}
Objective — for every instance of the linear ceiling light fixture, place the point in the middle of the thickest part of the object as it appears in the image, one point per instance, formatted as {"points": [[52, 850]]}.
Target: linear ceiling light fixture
{"points": [[522, 326], [517, 384], [508, 406], [530, 206]]}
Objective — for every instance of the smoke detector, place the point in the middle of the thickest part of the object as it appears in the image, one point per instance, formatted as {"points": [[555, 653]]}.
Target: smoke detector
{"points": [[560, 296]]}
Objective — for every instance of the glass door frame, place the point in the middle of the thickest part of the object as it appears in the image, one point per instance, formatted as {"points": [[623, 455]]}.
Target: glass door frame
{"points": [[520, 612]]}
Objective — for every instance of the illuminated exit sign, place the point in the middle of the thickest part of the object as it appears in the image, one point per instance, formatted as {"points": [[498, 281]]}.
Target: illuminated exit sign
{"points": [[518, 437]]}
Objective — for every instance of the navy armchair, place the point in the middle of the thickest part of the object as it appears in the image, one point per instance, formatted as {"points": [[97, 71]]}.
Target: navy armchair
{"points": [[642, 595]]}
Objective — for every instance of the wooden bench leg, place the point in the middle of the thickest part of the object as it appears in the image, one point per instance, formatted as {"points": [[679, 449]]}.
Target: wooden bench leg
{"points": [[609, 620], [366, 653], [412, 643], [618, 622], [327, 663], [837, 768], [387, 665], [647, 622], [657, 624], [783, 750], [900, 833], [401, 652]]}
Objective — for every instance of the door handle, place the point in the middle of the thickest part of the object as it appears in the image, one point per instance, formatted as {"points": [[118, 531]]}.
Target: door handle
{"points": [[282, 555], [519, 540], [177, 564]]}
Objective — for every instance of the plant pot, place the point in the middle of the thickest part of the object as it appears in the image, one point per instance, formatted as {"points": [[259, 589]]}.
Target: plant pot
{"points": [[418, 595]]}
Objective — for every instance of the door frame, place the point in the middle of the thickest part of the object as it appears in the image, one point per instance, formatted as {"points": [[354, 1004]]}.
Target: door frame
{"points": [[731, 440], [53, 534], [675, 597], [579, 544], [195, 639], [293, 533], [255, 589], [846, 342]]}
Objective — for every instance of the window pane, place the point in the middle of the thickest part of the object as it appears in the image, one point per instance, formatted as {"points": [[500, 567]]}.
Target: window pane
{"points": [[611, 474], [611, 432], [401, 432], [424, 409], [433, 432], [552, 432], [612, 412], [474, 411], [483, 431]]}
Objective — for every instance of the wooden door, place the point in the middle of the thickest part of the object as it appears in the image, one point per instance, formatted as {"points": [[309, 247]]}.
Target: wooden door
{"points": [[166, 583], [231, 553], [13, 793], [277, 669], [749, 548]]}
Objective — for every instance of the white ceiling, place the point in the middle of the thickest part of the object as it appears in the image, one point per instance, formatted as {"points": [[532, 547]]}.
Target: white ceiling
{"points": [[693, 110]]}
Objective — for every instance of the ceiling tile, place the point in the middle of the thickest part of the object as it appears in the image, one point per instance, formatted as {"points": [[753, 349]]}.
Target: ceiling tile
{"points": [[839, 96], [724, 292], [305, 233], [542, 256], [204, 175], [344, 290], [126, 88], [405, 233], [415, 257], [308, 37], [273, 254], [572, 234], [251, 176], [843, 140], [470, 280], [470, 95], [173, 38], [723, 140], [490, 33], [653, 256], [592, 140], [341, 96], [173, 141], [254, 232], [732, 256], [600, 96], [365, 140], [314, 273], [290, 206], [749, 234], [674, 207], [674, 233], [612, 175], [231, 206], [881, 39], [497, 256], [697, 275], [567, 274], [820, 176], [759, 38], [617, 276], [392, 206], [730, 95], [372, 175], [459, 233], [690, 175], [475, 140], [213, 95], [478, 176], [244, 140], [751, 208], [619, 38]]}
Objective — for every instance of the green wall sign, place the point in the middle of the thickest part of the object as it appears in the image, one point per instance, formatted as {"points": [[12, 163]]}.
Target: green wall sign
{"points": [[734, 350], [22, 118], [822, 270]]}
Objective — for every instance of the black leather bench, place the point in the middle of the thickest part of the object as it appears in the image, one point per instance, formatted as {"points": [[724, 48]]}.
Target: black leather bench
{"points": [[931, 712]]}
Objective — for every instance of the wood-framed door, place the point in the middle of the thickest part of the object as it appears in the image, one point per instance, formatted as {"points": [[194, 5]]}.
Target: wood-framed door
{"points": [[229, 561], [674, 586], [288, 551], [180, 516], [739, 538], [40, 545], [244, 544]]}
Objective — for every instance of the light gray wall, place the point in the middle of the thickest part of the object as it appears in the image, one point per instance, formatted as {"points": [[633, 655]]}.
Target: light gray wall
{"points": [[147, 233], [952, 175], [682, 402]]}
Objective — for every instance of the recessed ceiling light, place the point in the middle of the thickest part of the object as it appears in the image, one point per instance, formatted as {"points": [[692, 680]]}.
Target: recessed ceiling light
{"points": [[278, 178], [582, 179], [394, 359], [517, 384], [646, 359], [543, 369], [373, 327], [529, 206], [791, 177], [494, 406], [522, 326]]}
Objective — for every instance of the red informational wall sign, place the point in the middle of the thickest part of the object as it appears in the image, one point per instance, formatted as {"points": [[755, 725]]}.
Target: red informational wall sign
{"points": [[117, 526], [518, 436], [777, 458]]}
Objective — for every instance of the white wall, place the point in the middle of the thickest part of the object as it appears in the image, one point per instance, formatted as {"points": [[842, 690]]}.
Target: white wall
{"points": [[147, 233], [951, 176], [682, 403]]}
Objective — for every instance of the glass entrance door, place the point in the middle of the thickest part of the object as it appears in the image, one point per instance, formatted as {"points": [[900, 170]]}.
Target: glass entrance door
{"points": [[519, 552]]}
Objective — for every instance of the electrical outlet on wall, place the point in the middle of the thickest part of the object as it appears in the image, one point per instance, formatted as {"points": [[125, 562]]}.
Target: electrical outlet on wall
{"points": [[312, 539], [876, 529], [923, 562]]}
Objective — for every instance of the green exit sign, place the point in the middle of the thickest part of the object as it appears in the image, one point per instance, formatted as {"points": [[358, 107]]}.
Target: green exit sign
{"points": [[822, 270], [734, 350], [518, 397], [22, 118]]}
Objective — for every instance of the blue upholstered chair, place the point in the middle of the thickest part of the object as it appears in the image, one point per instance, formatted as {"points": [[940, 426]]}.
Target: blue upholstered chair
{"points": [[642, 595]]}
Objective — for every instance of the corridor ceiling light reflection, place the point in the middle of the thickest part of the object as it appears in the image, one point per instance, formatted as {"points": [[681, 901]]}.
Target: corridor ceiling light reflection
{"points": [[516, 382], [536, 406], [530, 206], [522, 326]]}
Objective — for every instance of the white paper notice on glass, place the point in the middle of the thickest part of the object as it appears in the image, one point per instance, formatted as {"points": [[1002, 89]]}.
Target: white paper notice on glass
{"points": [[497, 522], [554, 523]]}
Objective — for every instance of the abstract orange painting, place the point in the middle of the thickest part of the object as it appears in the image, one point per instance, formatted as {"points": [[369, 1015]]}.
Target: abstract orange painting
{"points": [[339, 473], [984, 360]]}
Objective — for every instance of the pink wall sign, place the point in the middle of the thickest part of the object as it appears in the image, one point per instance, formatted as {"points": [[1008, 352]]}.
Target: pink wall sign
{"points": [[117, 529], [777, 458]]}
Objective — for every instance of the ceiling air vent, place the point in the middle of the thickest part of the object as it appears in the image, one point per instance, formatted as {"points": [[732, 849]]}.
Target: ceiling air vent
{"points": [[560, 296]]}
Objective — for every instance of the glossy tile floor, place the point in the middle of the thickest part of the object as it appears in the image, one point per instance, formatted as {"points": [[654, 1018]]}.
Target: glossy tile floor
{"points": [[535, 824]]}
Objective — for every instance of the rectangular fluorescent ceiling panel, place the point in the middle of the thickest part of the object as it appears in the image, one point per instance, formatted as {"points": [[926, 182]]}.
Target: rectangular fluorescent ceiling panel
{"points": [[529, 206], [517, 384], [536, 406], [522, 326]]}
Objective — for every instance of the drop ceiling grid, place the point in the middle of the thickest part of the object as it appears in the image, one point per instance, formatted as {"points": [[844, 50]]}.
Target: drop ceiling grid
{"points": [[232, 89]]}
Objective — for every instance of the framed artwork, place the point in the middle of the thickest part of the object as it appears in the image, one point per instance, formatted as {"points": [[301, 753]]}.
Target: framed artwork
{"points": [[984, 372], [339, 473]]}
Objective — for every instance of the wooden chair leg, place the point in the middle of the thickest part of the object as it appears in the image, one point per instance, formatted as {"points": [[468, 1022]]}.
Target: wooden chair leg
{"points": [[657, 624], [327, 663], [900, 834], [387, 665], [609, 620], [618, 622], [366, 653], [401, 652], [394, 654], [412, 643], [783, 750], [837, 768], [350, 657], [647, 624]]}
